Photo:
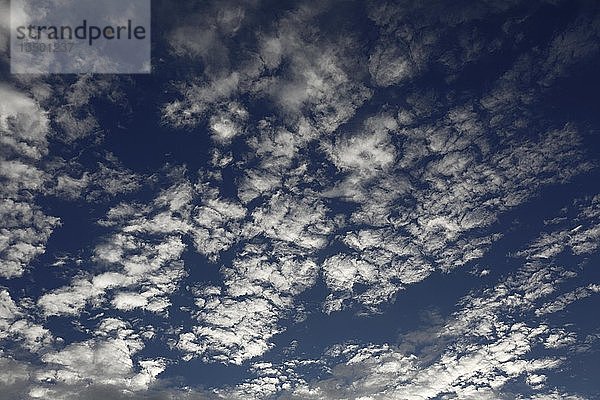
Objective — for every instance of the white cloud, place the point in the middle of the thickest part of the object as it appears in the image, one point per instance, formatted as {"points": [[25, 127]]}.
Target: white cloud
{"points": [[366, 154], [564, 300], [237, 324], [25, 229], [411, 38], [483, 350], [228, 124], [218, 226], [136, 260], [301, 221], [17, 326], [198, 98], [317, 77], [23, 123]]}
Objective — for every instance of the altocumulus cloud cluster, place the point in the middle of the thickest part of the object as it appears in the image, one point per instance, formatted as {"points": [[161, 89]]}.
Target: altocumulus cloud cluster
{"points": [[309, 200]]}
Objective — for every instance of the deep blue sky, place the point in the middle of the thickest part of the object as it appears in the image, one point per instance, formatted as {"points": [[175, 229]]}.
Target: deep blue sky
{"points": [[376, 200]]}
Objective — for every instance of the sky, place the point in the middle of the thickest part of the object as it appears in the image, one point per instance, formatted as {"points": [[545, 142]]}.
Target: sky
{"points": [[374, 200]]}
